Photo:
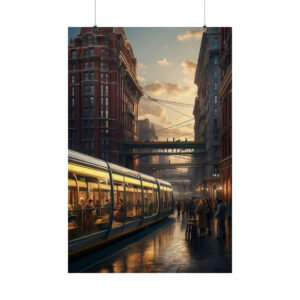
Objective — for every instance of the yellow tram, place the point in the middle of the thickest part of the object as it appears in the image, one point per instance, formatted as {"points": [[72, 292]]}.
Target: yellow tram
{"points": [[107, 201]]}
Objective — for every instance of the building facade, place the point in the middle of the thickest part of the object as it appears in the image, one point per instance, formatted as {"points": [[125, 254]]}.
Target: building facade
{"points": [[225, 94], [147, 132], [103, 94], [207, 115]]}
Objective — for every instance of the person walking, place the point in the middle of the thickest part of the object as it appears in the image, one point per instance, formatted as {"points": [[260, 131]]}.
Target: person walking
{"points": [[178, 207], [209, 216], [202, 211], [220, 215], [191, 209]]}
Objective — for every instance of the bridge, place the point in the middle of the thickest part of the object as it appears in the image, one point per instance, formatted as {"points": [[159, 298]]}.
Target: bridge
{"points": [[171, 166], [163, 148]]}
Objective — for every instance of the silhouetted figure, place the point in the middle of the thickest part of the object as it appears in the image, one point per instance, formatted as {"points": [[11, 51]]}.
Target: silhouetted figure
{"points": [[209, 216], [178, 207], [191, 208], [202, 211], [220, 215]]}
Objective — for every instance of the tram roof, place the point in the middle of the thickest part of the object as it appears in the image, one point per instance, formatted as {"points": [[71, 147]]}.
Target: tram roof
{"points": [[96, 162]]}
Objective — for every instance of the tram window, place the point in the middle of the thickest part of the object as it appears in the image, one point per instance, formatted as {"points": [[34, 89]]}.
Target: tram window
{"points": [[149, 199], [118, 215], [71, 190], [133, 202], [155, 198], [169, 203], [163, 199]]}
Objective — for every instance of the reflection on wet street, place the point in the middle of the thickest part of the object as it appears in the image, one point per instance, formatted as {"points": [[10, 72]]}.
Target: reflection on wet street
{"points": [[166, 250]]}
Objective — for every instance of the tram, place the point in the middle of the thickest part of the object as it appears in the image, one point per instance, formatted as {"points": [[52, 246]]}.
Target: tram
{"points": [[107, 201]]}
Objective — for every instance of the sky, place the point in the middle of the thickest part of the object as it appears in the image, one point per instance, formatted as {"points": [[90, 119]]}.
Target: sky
{"points": [[167, 58]]}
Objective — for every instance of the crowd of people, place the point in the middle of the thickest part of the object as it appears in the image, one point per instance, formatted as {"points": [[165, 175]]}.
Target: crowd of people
{"points": [[204, 210]]}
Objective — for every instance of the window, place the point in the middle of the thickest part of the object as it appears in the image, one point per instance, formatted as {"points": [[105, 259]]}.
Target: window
{"points": [[215, 112], [216, 99], [91, 51], [133, 201], [86, 88], [86, 112], [91, 111], [73, 54], [73, 78], [106, 102], [91, 100], [92, 64], [106, 113], [215, 123], [92, 75], [101, 65], [73, 66], [216, 60], [106, 67], [106, 90], [86, 65], [215, 135], [101, 89], [215, 86], [91, 89], [101, 115], [101, 101], [73, 102], [85, 100], [107, 76], [85, 53], [73, 91], [107, 42], [108, 53], [101, 76], [216, 43], [102, 52], [216, 73]]}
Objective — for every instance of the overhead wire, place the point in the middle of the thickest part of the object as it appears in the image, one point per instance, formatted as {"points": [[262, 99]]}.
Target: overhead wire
{"points": [[176, 125]]}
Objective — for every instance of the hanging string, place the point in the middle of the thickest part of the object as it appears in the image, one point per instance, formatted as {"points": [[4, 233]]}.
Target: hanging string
{"points": [[204, 15], [95, 25]]}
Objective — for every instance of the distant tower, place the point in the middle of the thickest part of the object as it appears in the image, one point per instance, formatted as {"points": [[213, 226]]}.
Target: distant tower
{"points": [[207, 112], [103, 94]]}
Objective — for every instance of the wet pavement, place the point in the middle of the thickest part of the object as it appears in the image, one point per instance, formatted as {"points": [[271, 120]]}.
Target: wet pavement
{"points": [[163, 248]]}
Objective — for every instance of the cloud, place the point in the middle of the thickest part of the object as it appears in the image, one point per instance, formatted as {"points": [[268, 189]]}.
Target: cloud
{"points": [[141, 65], [191, 34], [189, 66], [141, 78], [147, 108], [164, 62], [173, 89]]}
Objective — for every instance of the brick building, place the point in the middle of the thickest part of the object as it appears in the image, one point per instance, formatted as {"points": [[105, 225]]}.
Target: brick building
{"points": [[225, 94], [207, 114], [103, 94]]}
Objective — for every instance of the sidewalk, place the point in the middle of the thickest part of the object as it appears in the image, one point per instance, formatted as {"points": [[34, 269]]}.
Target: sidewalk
{"points": [[166, 251]]}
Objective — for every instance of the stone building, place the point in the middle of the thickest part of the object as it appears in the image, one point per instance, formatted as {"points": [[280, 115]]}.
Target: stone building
{"points": [[103, 94], [225, 94], [207, 114]]}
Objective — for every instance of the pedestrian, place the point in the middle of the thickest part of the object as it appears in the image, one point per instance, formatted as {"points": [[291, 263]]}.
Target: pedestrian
{"points": [[202, 211], [229, 215], [186, 207], [220, 215], [209, 216], [178, 207], [191, 209]]}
